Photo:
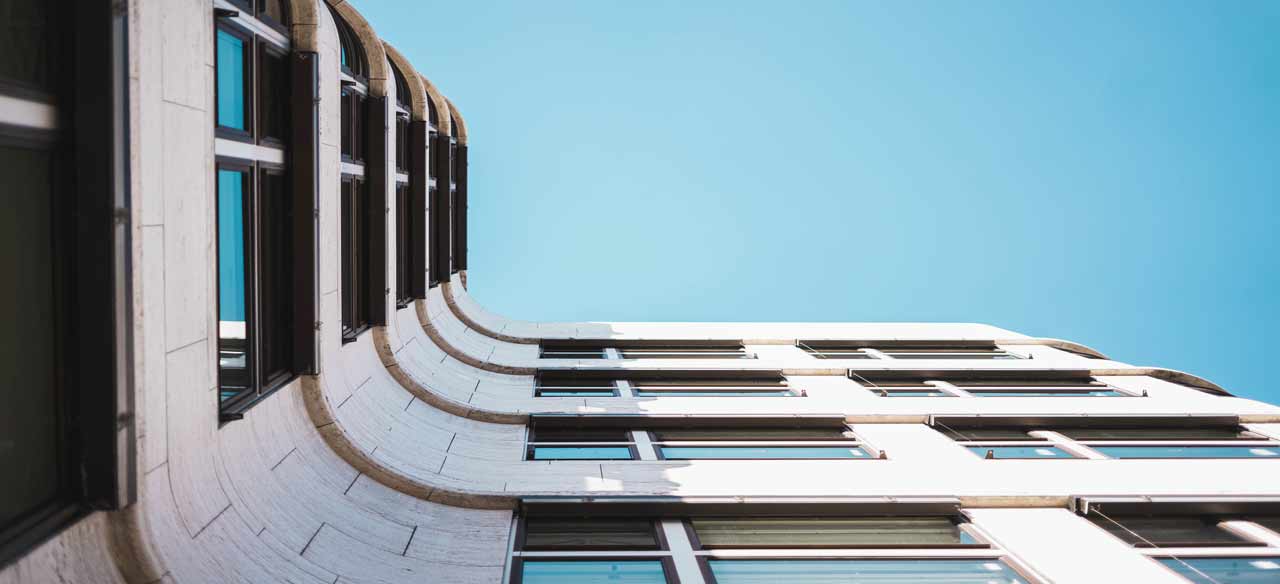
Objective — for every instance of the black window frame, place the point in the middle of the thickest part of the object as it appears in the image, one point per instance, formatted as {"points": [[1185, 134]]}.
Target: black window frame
{"points": [[355, 257], [249, 63], [404, 228]]}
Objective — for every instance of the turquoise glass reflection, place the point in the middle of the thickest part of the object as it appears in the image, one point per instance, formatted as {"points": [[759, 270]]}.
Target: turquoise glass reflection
{"points": [[593, 572], [231, 274], [761, 452], [581, 453], [1272, 452], [1264, 570], [1045, 451], [231, 76], [979, 571]]}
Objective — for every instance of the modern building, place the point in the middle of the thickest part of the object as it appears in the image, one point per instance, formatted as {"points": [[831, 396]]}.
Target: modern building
{"points": [[241, 349]]}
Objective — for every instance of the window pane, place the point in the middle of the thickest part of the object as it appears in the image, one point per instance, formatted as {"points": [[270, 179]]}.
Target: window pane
{"points": [[1226, 570], [1271, 522], [676, 434], [910, 392], [1272, 452], [274, 89], [1045, 451], [580, 435], [978, 571], [827, 532], [233, 326], [714, 393], [231, 80], [1158, 433], [275, 273], [24, 26], [275, 10], [593, 572], [1047, 393], [575, 392], [995, 434], [1179, 531], [761, 452], [28, 404], [593, 534], [581, 453]]}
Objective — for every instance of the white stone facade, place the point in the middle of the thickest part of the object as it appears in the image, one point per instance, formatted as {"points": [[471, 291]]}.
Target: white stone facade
{"points": [[404, 459]]}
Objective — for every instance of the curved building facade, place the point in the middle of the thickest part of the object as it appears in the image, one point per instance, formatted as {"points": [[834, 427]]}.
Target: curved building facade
{"points": [[242, 350]]}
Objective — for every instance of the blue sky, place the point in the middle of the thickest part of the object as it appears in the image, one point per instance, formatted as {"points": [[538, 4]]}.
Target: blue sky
{"points": [[1101, 172]]}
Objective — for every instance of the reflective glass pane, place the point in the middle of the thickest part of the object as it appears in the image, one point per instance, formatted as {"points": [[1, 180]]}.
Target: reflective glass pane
{"points": [[841, 532], [575, 393], [590, 534], [1170, 531], [1226, 570], [977, 571], [1045, 451], [678, 434], [593, 572], [233, 338], [993, 434], [581, 453], [713, 393], [1048, 393], [29, 415], [24, 26], [761, 452], [231, 80], [1272, 452], [541, 434], [1225, 433]]}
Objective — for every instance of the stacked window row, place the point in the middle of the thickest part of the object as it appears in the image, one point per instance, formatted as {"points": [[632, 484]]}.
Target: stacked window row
{"points": [[727, 549], [903, 350], [267, 156], [552, 438]]}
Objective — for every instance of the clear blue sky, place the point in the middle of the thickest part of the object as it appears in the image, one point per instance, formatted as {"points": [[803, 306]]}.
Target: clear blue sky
{"points": [[1104, 172]]}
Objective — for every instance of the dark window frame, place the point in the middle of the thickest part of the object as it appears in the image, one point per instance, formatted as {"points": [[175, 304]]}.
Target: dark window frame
{"points": [[264, 52], [355, 258], [249, 61]]}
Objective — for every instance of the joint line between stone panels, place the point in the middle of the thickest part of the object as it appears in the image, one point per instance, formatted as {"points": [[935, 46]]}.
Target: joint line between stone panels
{"points": [[353, 483], [283, 458], [215, 518], [407, 543], [313, 538]]}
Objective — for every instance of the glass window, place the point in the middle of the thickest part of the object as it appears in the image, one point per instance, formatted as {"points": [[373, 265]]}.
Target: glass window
{"points": [[1047, 393], [24, 26], [842, 532], [403, 270], [1156, 451], [273, 94], [276, 273], [593, 572], [233, 268], [30, 455], [1171, 433], [1170, 531], [1028, 452], [1261, 570], [232, 74], [761, 452], [726, 392], [910, 392], [589, 534], [966, 571], [570, 452], [557, 386], [687, 434], [275, 11], [355, 265], [542, 434], [1271, 522], [992, 434]]}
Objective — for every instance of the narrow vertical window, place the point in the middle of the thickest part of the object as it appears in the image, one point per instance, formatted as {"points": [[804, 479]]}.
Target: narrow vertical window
{"points": [[232, 50], [402, 245], [275, 209], [233, 273], [273, 95], [30, 453], [24, 26], [355, 268]]}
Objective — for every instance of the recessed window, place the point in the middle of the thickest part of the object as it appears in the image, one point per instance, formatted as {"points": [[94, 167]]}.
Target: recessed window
{"points": [[1171, 531], [355, 258], [580, 444], [668, 452], [824, 571], [576, 545], [760, 387], [830, 532], [588, 535], [233, 52], [909, 384], [571, 386], [919, 350], [25, 61], [1265, 451], [1037, 388], [549, 440], [570, 349], [1248, 570], [537, 571]]}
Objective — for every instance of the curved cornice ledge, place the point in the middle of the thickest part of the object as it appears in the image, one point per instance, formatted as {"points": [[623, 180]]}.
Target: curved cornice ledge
{"points": [[336, 437], [420, 306], [432, 398]]}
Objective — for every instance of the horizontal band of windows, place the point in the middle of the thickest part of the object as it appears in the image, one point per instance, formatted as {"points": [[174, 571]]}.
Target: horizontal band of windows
{"points": [[761, 452]]}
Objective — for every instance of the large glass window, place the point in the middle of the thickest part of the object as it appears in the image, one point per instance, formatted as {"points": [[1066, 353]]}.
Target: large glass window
{"points": [[355, 264], [255, 205], [1110, 438], [875, 571], [694, 443], [1171, 531], [233, 50], [32, 452], [757, 546], [564, 349], [1248, 570], [904, 350], [1051, 384]]}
